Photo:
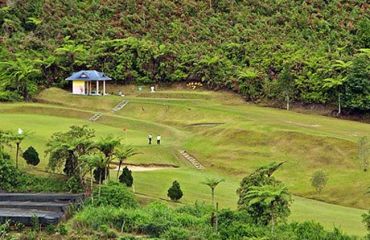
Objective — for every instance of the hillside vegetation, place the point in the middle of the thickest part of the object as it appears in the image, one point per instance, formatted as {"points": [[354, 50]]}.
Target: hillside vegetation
{"points": [[230, 138], [310, 51]]}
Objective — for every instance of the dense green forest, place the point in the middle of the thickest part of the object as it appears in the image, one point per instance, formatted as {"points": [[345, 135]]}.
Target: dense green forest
{"points": [[309, 51]]}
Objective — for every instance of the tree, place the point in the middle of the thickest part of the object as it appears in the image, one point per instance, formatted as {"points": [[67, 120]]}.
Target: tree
{"points": [[122, 153], [91, 162], [319, 180], [126, 177], [174, 192], [286, 85], [212, 183], [20, 75], [31, 156], [363, 152], [107, 146], [357, 85], [273, 198], [66, 148]]}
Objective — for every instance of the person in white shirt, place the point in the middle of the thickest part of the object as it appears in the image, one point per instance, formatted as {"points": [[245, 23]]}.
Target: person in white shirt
{"points": [[150, 138], [159, 139]]}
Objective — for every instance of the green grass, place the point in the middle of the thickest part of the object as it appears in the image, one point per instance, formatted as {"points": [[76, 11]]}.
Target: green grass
{"points": [[247, 137]]}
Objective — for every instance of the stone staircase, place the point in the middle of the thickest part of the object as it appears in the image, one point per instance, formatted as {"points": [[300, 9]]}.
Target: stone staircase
{"points": [[120, 105], [49, 208], [191, 159], [95, 117]]}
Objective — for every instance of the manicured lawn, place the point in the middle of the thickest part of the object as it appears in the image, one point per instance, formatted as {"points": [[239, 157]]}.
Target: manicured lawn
{"points": [[229, 137]]}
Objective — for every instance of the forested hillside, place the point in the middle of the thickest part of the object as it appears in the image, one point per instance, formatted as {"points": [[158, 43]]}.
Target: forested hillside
{"points": [[309, 51]]}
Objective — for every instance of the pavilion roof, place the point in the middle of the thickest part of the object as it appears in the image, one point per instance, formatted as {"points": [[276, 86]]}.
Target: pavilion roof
{"points": [[88, 75]]}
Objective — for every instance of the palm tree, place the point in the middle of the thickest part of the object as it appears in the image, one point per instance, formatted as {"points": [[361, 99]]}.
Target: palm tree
{"points": [[270, 197], [92, 162], [213, 183], [122, 154], [107, 146]]}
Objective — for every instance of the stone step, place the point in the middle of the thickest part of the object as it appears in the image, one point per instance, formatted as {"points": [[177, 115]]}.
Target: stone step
{"points": [[191, 159], [41, 197], [44, 206], [25, 216]]}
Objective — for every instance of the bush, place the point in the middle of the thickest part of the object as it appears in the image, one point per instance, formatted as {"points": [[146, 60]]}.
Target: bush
{"points": [[31, 156], [62, 230], [175, 233], [73, 185], [50, 229], [174, 192], [116, 195], [126, 177], [8, 174]]}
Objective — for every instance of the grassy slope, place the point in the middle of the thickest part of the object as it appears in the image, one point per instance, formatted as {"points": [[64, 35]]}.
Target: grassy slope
{"points": [[249, 137]]}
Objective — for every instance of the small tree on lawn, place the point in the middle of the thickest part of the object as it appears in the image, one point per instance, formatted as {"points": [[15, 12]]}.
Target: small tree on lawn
{"points": [[319, 180], [31, 156], [363, 152], [174, 192], [126, 177]]}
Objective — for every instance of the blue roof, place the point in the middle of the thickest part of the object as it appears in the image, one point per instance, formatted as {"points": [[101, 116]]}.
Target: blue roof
{"points": [[88, 75]]}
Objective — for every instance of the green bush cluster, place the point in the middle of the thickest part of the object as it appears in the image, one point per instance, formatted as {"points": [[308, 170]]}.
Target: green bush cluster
{"points": [[157, 220], [114, 194], [244, 45]]}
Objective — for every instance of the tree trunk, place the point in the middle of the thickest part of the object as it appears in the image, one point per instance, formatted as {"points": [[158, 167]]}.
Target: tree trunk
{"points": [[119, 168], [216, 220], [91, 185], [339, 105], [100, 179], [213, 197], [16, 156], [287, 103]]}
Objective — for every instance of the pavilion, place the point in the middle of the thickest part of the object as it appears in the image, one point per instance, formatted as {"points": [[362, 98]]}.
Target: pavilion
{"points": [[86, 82]]}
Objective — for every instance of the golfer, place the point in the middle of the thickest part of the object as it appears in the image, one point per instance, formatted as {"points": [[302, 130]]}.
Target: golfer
{"points": [[150, 138], [159, 139]]}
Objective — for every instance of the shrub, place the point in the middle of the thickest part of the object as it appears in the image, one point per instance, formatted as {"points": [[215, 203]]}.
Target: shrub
{"points": [[8, 175], [31, 156], [319, 180], [175, 233], [174, 192], [50, 229], [126, 177], [73, 185], [62, 230], [4, 229], [116, 195], [94, 217]]}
